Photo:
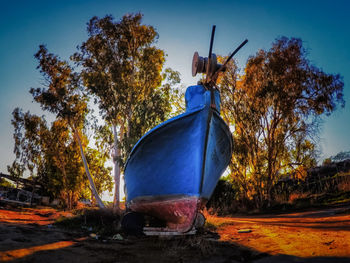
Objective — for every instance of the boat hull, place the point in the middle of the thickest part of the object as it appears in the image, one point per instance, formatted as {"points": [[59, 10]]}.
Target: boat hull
{"points": [[175, 167]]}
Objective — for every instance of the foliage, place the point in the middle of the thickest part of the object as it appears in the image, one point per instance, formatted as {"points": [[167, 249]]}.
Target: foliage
{"points": [[97, 160], [341, 156], [16, 169], [171, 79], [5, 184], [344, 183], [52, 156], [62, 96], [224, 198], [28, 132], [274, 107], [121, 68], [327, 161], [51, 153]]}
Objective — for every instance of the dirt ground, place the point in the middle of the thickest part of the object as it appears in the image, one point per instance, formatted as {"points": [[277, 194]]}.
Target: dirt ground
{"points": [[27, 235]]}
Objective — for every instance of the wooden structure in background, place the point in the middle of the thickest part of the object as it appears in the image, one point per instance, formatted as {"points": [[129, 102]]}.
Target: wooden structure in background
{"points": [[28, 196]]}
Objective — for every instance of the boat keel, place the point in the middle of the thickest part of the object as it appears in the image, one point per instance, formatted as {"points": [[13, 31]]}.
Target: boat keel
{"points": [[178, 212]]}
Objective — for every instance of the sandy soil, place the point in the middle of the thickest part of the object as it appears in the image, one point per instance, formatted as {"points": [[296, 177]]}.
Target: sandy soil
{"points": [[305, 234], [26, 235], [321, 233]]}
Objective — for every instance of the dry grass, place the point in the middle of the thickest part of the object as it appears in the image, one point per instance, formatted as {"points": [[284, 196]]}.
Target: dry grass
{"points": [[213, 221], [103, 222], [296, 196]]}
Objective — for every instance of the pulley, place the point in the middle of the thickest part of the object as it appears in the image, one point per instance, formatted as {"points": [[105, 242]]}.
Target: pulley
{"points": [[209, 65], [200, 64]]}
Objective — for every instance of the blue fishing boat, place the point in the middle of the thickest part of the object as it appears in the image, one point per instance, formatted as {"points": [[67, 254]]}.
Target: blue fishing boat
{"points": [[173, 169]]}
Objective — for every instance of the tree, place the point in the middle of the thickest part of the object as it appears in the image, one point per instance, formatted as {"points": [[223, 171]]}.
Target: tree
{"points": [[341, 156], [176, 92], [122, 69], [5, 184], [28, 132], [63, 167], [61, 96], [274, 107], [16, 169], [52, 156]]}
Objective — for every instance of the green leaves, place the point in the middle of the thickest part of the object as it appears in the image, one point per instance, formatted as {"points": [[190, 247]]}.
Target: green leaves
{"points": [[122, 67], [62, 95], [29, 133]]}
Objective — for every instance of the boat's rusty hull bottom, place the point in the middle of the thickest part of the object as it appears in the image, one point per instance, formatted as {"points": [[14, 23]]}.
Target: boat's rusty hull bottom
{"points": [[179, 212]]}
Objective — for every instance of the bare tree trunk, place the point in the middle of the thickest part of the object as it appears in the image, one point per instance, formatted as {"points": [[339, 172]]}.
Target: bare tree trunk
{"points": [[92, 184], [128, 123], [69, 200], [116, 201]]}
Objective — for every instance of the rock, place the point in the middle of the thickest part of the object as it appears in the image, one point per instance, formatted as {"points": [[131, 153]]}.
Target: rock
{"points": [[244, 231]]}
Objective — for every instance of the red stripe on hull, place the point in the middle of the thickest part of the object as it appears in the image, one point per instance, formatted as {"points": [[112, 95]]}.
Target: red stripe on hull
{"points": [[179, 213]]}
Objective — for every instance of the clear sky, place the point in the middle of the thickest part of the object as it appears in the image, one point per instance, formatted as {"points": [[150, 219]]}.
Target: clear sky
{"points": [[183, 27]]}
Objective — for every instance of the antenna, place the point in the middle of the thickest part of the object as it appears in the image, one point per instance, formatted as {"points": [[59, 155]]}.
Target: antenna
{"points": [[210, 59], [222, 67]]}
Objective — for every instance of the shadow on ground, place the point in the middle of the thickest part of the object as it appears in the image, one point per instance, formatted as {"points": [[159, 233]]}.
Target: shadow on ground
{"points": [[36, 243], [24, 240]]}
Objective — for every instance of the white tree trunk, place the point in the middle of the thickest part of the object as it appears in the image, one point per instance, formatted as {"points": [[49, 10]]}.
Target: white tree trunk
{"points": [[116, 200], [92, 184]]}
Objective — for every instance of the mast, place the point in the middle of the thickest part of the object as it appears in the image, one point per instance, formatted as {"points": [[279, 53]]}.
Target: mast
{"points": [[209, 66]]}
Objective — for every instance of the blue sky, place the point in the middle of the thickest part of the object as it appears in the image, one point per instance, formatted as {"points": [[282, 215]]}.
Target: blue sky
{"points": [[183, 27]]}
